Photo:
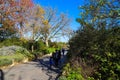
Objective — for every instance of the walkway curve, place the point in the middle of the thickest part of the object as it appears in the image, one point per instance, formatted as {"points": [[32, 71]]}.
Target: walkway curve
{"points": [[34, 70]]}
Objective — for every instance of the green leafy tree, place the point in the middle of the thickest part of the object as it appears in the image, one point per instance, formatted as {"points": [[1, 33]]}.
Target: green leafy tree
{"points": [[97, 40]]}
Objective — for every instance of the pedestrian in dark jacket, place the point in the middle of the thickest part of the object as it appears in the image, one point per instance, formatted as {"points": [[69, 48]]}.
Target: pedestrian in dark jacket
{"points": [[58, 57], [63, 51], [51, 61]]}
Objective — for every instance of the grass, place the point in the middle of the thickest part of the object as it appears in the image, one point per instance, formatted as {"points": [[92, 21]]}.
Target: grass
{"points": [[8, 60]]}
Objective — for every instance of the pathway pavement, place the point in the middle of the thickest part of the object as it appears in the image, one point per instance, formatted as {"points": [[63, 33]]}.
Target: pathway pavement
{"points": [[34, 70]]}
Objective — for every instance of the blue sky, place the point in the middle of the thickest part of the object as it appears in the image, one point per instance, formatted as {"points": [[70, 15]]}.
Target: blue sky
{"points": [[66, 6]]}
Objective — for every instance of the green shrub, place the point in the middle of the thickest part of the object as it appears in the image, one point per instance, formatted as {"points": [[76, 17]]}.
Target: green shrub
{"points": [[100, 48], [11, 50], [62, 78], [11, 41], [70, 73], [90, 78], [26, 53], [5, 62], [18, 57], [48, 50]]}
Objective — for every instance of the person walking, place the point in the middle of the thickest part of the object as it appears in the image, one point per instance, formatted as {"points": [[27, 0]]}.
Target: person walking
{"points": [[51, 61], [63, 51], [55, 57], [58, 57]]}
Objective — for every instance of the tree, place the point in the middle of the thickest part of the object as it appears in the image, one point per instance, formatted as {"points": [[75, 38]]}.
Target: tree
{"points": [[23, 14], [35, 23], [13, 12], [97, 41], [53, 25]]}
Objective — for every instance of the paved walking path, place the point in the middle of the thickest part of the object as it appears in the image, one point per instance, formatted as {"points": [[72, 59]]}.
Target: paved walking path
{"points": [[34, 70]]}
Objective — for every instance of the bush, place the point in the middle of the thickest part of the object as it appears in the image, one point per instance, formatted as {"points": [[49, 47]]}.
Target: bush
{"points": [[11, 41], [101, 48], [24, 52], [8, 60], [70, 73], [18, 57], [12, 50], [5, 62], [49, 50]]}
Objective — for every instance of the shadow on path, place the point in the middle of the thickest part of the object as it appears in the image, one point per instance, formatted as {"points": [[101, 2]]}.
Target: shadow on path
{"points": [[20, 72], [44, 63], [51, 72]]}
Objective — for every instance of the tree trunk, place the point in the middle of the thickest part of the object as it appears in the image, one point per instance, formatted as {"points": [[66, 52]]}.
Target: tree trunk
{"points": [[32, 47], [46, 42]]}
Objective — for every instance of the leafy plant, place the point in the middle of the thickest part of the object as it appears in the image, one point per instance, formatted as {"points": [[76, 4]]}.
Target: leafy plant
{"points": [[8, 60], [5, 62], [97, 41], [70, 73]]}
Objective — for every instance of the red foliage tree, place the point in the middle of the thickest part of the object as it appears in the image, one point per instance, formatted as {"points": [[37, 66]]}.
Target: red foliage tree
{"points": [[14, 12]]}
